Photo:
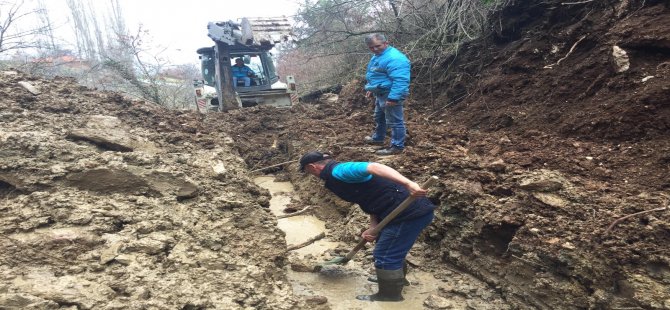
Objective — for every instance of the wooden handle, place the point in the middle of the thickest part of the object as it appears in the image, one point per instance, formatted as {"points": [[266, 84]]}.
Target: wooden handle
{"points": [[408, 201]]}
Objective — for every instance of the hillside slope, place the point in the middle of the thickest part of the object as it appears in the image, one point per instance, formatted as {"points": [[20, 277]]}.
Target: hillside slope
{"points": [[541, 146]]}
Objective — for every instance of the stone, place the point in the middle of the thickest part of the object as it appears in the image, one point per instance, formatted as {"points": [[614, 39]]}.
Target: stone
{"points": [[551, 200], [125, 259], [302, 266], [553, 240], [316, 300], [143, 293], [68, 290], [497, 166], [25, 301], [188, 190], [568, 246], [152, 244], [105, 181], [437, 302], [219, 170], [413, 261], [329, 98], [30, 88], [621, 60], [110, 253]]}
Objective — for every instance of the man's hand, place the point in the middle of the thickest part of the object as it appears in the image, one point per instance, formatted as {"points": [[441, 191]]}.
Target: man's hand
{"points": [[415, 190], [368, 94], [368, 236]]}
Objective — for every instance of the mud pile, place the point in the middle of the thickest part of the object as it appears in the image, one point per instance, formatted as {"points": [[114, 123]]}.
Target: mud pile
{"points": [[109, 203]]}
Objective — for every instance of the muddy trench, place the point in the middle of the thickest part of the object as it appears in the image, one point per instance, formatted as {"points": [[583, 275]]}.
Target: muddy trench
{"points": [[338, 284], [511, 231], [335, 286]]}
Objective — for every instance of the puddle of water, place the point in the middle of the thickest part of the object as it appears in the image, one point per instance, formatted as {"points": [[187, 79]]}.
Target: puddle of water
{"points": [[278, 203], [301, 228], [341, 288], [268, 182], [298, 228], [340, 284]]}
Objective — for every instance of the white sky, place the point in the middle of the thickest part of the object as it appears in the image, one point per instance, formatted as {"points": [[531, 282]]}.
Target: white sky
{"points": [[181, 26]]}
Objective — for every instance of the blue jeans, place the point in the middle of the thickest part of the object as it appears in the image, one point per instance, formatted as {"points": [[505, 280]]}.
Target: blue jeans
{"points": [[395, 241], [246, 79], [389, 117]]}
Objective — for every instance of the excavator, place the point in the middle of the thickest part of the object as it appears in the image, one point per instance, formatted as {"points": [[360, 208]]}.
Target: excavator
{"points": [[251, 41]]}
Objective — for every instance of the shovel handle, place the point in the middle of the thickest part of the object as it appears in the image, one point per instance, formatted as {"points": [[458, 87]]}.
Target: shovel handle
{"points": [[408, 201]]}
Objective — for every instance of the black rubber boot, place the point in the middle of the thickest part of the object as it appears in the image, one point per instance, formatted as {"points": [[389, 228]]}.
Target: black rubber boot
{"points": [[373, 279], [390, 284], [405, 268]]}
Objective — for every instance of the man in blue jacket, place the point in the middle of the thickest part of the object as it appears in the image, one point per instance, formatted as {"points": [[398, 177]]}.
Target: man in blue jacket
{"points": [[388, 75], [240, 71], [378, 189]]}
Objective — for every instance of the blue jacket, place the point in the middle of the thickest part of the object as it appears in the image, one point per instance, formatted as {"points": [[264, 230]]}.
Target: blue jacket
{"points": [[388, 74], [240, 72]]}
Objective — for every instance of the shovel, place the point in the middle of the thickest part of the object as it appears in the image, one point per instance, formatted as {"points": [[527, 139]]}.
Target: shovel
{"points": [[341, 260]]}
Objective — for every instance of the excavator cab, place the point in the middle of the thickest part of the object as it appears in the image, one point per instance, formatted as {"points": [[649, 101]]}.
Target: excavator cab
{"points": [[260, 63], [256, 84]]}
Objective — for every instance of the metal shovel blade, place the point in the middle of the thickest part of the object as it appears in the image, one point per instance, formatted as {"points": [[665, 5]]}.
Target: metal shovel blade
{"points": [[340, 260]]}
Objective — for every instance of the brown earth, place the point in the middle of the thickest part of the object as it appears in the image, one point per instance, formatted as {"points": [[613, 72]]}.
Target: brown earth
{"points": [[537, 162], [109, 203], [112, 203]]}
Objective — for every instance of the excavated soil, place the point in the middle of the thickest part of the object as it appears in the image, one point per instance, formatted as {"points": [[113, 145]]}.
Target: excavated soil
{"points": [[109, 203], [541, 145]]}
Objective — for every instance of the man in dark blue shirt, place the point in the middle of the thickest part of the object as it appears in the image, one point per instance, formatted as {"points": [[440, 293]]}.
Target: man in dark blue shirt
{"points": [[242, 72], [378, 189]]}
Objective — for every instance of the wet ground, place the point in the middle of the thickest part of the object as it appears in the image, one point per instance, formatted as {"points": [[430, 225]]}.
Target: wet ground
{"points": [[538, 166], [338, 284], [552, 193], [108, 203]]}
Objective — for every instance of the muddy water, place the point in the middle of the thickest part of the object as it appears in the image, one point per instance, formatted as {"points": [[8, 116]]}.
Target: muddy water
{"points": [[340, 284]]}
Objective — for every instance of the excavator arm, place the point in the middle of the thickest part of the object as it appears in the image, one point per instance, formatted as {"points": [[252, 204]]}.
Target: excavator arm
{"points": [[230, 33]]}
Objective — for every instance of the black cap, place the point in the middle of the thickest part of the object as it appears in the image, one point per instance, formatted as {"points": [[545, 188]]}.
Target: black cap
{"points": [[311, 157]]}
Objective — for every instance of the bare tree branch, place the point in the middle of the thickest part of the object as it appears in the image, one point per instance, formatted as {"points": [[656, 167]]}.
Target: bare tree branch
{"points": [[13, 37]]}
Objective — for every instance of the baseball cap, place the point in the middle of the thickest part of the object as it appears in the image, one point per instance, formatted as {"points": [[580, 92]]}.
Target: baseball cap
{"points": [[311, 157]]}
